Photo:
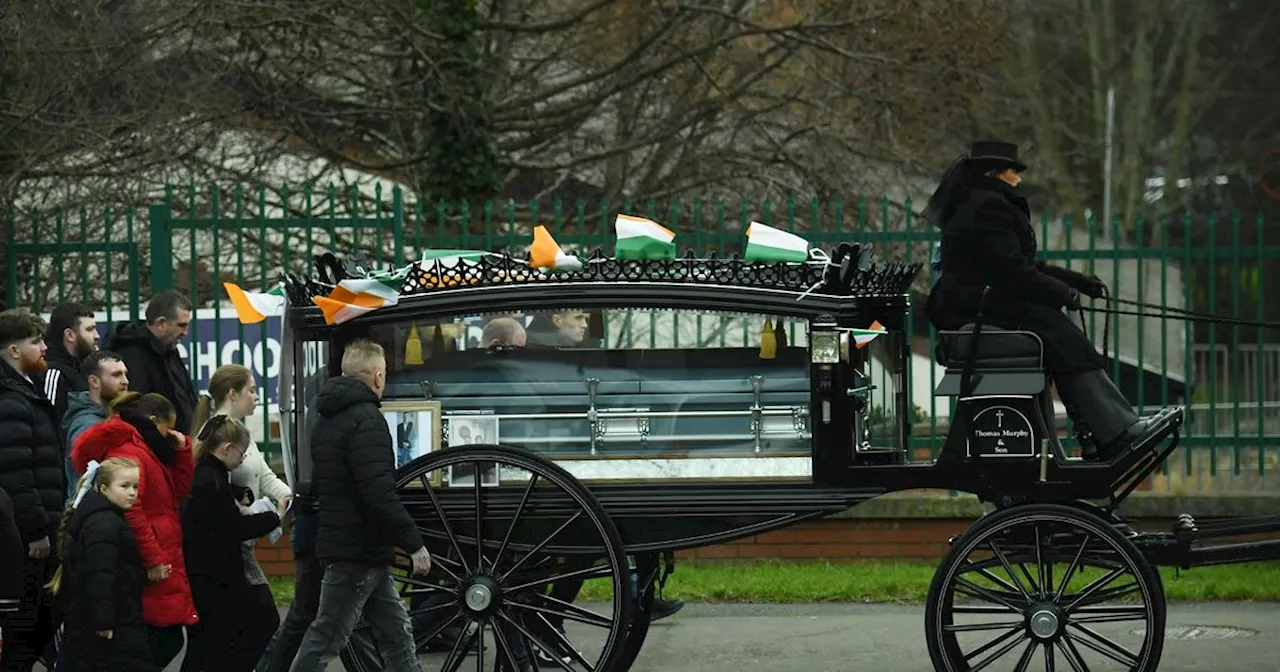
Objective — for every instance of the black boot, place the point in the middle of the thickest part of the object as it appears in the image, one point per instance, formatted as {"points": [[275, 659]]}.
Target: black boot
{"points": [[1107, 417]]}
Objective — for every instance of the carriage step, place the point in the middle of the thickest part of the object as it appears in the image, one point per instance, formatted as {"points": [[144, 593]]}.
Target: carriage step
{"points": [[1162, 425]]}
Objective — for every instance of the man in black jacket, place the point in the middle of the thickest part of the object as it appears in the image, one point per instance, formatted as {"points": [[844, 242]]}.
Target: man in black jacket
{"points": [[362, 520], [71, 337], [150, 351], [31, 474]]}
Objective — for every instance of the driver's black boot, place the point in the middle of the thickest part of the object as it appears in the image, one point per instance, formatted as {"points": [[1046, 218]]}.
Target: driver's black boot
{"points": [[1094, 401]]}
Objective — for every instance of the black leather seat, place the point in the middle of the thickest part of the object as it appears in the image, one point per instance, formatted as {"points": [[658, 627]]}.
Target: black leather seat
{"points": [[997, 348]]}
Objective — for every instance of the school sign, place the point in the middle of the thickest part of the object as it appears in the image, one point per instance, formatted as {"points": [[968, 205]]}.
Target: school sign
{"points": [[217, 338]]}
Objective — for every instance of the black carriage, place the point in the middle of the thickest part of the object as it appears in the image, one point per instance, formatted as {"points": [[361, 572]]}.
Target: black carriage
{"points": [[711, 399]]}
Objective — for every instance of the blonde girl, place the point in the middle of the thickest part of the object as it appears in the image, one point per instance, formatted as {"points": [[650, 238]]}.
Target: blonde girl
{"points": [[101, 578]]}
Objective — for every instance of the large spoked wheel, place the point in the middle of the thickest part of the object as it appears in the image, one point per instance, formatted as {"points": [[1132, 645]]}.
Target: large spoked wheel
{"points": [[510, 553], [1045, 587]]}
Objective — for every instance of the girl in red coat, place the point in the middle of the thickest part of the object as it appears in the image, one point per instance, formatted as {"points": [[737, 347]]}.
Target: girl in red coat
{"points": [[140, 428]]}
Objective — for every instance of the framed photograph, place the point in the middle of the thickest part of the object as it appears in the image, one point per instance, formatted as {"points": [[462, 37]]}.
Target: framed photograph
{"points": [[415, 429], [467, 430]]}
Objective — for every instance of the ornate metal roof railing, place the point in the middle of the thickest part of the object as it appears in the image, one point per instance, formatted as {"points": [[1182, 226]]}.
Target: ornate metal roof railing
{"points": [[842, 274]]}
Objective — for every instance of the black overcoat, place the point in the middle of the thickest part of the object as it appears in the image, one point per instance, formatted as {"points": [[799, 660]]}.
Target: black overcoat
{"points": [[989, 242]]}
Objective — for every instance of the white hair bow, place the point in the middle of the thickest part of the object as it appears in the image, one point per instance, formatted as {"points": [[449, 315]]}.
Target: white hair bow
{"points": [[87, 482]]}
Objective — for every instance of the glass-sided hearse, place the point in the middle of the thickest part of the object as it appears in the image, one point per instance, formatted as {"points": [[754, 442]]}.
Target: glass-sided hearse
{"points": [[620, 412]]}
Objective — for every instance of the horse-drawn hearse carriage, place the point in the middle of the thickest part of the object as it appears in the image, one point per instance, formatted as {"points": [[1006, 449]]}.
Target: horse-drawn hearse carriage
{"points": [[669, 404]]}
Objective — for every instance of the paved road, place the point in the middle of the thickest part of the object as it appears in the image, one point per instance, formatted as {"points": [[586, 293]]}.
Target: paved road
{"points": [[881, 638]]}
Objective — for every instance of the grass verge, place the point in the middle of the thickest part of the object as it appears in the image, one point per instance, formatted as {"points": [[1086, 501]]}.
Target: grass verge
{"points": [[779, 581]]}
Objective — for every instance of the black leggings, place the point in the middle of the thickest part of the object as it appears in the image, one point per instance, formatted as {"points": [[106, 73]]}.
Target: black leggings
{"points": [[166, 643], [236, 623]]}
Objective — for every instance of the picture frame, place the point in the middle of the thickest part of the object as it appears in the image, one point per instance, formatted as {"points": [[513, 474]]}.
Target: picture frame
{"points": [[465, 430], [415, 428]]}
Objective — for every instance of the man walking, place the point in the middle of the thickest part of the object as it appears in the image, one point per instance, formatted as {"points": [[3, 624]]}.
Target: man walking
{"points": [[149, 349], [108, 378], [71, 337], [361, 518], [31, 474]]}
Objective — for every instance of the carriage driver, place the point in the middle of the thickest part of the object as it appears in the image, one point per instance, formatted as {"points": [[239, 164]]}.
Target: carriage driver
{"points": [[988, 241]]}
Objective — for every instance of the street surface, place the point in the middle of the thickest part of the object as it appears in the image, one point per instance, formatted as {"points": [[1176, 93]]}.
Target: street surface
{"points": [[883, 638]]}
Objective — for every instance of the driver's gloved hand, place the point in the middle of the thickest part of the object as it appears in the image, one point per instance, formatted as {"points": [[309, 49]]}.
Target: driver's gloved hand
{"points": [[1093, 286]]}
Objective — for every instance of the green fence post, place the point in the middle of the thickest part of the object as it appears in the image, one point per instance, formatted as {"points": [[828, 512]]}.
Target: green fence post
{"points": [[11, 260], [161, 237], [397, 225]]}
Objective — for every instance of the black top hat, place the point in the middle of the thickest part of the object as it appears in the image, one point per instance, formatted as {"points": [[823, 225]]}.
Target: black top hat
{"points": [[994, 151]]}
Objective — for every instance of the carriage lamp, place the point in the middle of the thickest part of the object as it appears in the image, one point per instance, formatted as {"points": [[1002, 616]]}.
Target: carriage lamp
{"points": [[824, 342]]}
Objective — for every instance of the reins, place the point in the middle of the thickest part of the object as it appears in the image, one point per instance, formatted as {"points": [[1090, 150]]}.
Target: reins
{"points": [[1163, 312]]}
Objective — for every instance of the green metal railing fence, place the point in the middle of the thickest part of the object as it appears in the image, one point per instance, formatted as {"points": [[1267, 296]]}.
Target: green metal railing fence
{"points": [[194, 239]]}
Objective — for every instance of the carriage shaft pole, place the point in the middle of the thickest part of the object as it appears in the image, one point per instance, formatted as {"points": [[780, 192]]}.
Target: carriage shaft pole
{"points": [[1229, 554]]}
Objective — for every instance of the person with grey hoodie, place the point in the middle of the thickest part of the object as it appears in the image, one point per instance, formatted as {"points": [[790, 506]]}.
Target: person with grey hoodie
{"points": [[108, 378]]}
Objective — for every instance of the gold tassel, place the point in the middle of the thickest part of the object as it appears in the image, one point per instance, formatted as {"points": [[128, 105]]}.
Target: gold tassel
{"points": [[768, 341], [413, 347]]}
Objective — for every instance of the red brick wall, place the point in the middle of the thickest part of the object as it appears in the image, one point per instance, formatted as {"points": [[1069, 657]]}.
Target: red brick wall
{"points": [[843, 539], [831, 539]]}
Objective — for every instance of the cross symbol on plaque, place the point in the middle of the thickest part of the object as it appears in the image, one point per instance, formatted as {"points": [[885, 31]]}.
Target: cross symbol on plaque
{"points": [[1000, 419]]}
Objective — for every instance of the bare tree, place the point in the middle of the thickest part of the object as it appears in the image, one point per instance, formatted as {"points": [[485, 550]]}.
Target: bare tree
{"points": [[593, 99], [1165, 63]]}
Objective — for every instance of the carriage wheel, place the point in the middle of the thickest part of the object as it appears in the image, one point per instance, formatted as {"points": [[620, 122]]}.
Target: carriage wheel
{"points": [[494, 605], [647, 571], [1045, 587]]}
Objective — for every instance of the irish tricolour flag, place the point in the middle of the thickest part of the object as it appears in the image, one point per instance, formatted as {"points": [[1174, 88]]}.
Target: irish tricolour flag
{"points": [[254, 307], [861, 337], [546, 253], [640, 238], [354, 297], [765, 243]]}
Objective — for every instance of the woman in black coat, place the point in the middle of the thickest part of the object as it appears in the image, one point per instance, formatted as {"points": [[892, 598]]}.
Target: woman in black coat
{"points": [[988, 242]]}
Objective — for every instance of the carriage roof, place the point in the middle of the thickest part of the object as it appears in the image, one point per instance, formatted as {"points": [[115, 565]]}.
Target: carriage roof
{"points": [[838, 287]]}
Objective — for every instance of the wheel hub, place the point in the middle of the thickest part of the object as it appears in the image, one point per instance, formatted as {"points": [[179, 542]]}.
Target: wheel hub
{"points": [[478, 597], [1045, 621], [481, 595]]}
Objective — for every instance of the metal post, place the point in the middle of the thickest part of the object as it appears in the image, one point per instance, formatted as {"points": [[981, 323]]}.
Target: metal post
{"points": [[161, 238], [1106, 170]]}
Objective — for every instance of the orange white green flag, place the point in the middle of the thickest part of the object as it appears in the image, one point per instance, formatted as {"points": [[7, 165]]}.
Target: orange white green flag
{"points": [[861, 337], [545, 253], [254, 307], [354, 297], [640, 238], [765, 243]]}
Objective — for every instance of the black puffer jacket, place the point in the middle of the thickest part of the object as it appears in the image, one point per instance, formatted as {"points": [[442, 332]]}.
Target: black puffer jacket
{"points": [[361, 517], [155, 368], [13, 553], [30, 457], [102, 582]]}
